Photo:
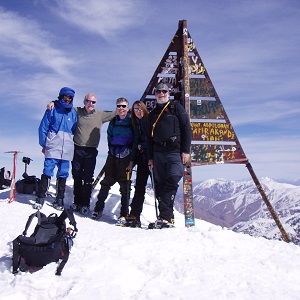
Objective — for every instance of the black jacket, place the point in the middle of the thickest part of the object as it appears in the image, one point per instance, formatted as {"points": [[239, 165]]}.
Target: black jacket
{"points": [[140, 138], [172, 132]]}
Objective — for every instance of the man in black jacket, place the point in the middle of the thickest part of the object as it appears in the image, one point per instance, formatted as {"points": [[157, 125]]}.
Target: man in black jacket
{"points": [[169, 141]]}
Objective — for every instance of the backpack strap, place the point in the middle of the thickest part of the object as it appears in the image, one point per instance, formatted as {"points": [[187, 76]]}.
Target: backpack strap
{"points": [[71, 218], [67, 213], [41, 217], [68, 239], [68, 243], [62, 263], [16, 259]]}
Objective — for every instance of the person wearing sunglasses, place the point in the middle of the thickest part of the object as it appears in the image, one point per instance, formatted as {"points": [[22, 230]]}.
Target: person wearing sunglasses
{"points": [[120, 139], [169, 139], [139, 158], [86, 141], [56, 132]]}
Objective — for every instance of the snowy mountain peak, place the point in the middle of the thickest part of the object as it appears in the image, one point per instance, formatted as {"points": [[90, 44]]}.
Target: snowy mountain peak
{"points": [[238, 205]]}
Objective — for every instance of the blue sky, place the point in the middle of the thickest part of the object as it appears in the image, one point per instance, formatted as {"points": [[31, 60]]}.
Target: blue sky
{"points": [[112, 48]]}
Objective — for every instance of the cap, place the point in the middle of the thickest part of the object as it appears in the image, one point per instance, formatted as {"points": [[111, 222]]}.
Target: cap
{"points": [[162, 86]]}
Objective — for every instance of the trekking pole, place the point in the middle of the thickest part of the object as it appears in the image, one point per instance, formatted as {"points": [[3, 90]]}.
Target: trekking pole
{"points": [[128, 175], [153, 187], [101, 173]]}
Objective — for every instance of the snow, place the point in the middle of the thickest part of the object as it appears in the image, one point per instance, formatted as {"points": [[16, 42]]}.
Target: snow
{"points": [[110, 262], [274, 185]]}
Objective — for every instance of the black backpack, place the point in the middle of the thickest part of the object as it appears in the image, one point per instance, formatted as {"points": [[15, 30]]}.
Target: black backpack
{"points": [[50, 242], [28, 185]]}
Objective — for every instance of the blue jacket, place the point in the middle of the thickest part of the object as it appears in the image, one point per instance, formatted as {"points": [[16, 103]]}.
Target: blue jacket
{"points": [[120, 136], [56, 132]]}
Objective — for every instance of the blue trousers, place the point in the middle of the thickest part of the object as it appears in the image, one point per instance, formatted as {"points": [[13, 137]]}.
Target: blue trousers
{"points": [[63, 167]]}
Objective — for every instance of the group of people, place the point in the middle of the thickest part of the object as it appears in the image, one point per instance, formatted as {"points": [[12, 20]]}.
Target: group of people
{"points": [[158, 143]]}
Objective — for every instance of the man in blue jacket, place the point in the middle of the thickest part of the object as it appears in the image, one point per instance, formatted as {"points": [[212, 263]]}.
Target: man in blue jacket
{"points": [[56, 138], [120, 139]]}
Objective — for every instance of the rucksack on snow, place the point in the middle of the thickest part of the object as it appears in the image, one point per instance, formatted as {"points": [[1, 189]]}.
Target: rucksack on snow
{"points": [[50, 242], [28, 185]]}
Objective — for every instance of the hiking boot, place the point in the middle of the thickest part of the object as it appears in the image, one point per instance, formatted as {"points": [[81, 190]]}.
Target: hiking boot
{"points": [[161, 223], [39, 202], [85, 210], [75, 207], [134, 224], [58, 204], [132, 221], [121, 222], [97, 215], [130, 218]]}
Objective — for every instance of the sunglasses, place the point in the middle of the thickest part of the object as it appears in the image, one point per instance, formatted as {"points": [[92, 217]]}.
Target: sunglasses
{"points": [[90, 101], [121, 105], [161, 91], [136, 109]]}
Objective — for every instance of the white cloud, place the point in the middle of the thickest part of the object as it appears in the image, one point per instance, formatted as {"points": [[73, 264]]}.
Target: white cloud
{"points": [[24, 40], [106, 18], [262, 110]]}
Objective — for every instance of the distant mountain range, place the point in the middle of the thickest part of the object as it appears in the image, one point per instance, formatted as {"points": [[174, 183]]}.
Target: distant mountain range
{"points": [[239, 206]]}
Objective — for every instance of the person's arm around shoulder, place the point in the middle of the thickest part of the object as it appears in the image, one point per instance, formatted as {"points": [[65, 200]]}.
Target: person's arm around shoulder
{"points": [[107, 116], [50, 105]]}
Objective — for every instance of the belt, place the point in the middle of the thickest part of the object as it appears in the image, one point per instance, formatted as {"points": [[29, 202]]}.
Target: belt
{"points": [[164, 144]]}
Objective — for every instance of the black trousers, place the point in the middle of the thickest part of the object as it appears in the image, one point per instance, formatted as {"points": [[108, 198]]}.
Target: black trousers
{"points": [[115, 171], [83, 167], [142, 174], [167, 170]]}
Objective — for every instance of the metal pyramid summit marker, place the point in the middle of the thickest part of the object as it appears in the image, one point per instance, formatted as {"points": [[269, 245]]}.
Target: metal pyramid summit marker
{"points": [[214, 140]]}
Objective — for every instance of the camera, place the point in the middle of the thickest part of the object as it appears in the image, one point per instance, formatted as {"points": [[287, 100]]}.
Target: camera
{"points": [[26, 160]]}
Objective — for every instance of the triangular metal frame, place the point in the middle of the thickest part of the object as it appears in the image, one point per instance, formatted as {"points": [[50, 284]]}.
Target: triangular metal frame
{"points": [[214, 140]]}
